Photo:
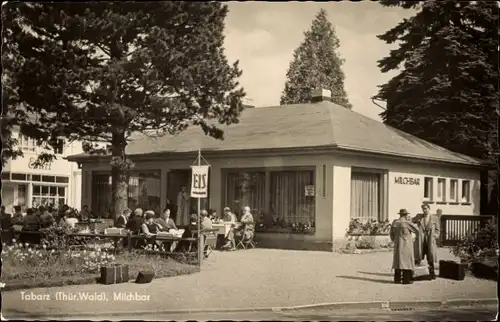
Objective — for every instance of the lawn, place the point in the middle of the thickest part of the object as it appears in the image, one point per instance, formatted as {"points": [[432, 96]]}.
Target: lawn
{"points": [[25, 266]]}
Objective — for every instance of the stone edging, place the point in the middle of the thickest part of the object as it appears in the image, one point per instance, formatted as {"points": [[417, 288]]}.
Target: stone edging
{"points": [[387, 305]]}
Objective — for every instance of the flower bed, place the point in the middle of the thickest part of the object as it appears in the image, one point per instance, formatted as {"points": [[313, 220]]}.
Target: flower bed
{"points": [[368, 228], [367, 236], [24, 266]]}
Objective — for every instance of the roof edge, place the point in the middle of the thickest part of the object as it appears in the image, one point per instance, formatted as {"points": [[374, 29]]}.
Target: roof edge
{"points": [[79, 158]]}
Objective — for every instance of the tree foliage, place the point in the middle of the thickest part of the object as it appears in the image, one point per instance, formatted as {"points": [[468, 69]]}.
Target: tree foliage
{"points": [[446, 91], [102, 71], [316, 64]]}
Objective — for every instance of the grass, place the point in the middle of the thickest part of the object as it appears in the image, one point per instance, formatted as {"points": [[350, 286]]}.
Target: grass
{"points": [[24, 267]]}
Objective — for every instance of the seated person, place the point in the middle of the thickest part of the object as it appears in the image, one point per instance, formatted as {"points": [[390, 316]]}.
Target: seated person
{"points": [[165, 221], [135, 222], [206, 223], [31, 221], [213, 216], [189, 232], [46, 218], [229, 216], [121, 221], [238, 228], [18, 217], [71, 218], [149, 228]]}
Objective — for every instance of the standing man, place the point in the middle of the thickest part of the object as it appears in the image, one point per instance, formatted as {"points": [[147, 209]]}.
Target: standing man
{"points": [[403, 257], [183, 207], [425, 244]]}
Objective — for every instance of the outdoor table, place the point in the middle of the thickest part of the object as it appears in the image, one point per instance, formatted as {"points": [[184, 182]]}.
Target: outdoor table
{"points": [[223, 228], [115, 237]]}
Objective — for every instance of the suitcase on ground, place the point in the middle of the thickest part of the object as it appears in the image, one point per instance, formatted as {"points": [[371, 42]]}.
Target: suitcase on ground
{"points": [[452, 270], [144, 277]]}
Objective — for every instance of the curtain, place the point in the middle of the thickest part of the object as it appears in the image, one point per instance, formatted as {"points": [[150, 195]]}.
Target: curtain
{"points": [[288, 200], [365, 196], [245, 189]]}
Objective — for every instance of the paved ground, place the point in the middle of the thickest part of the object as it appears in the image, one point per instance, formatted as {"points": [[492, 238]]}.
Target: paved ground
{"points": [[452, 314], [257, 278]]}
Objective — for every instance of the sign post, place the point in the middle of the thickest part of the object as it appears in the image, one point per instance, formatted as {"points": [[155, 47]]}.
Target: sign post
{"points": [[199, 189]]}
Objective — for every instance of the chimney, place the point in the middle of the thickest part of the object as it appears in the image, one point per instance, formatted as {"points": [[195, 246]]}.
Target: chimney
{"points": [[320, 95]]}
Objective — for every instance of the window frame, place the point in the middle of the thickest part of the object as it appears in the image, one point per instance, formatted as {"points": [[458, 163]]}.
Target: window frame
{"points": [[430, 197], [383, 190], [441, 190], [469, 186], [454, 190]]}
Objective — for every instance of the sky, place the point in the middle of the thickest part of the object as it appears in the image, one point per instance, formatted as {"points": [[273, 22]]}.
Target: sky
{"points": [[263, 36]]}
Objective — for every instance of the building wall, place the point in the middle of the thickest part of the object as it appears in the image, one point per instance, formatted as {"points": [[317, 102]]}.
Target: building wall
{"points": [[401, 196], [333, 173], [323, 204], [59, 167]]}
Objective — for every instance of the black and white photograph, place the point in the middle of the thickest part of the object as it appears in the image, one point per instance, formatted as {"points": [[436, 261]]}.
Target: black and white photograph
{"points": [[250, 160]]}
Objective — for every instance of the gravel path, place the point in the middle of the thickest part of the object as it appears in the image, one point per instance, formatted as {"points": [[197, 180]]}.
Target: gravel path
{"points": [[261, 278]]}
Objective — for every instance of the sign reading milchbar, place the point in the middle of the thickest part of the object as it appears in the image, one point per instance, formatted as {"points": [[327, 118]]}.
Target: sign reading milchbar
{"points": [[407, 180], [199, 181]]}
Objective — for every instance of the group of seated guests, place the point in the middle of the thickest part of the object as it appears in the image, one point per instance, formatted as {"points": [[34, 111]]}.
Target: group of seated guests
{"points": [[149, 224], [39, 218]]}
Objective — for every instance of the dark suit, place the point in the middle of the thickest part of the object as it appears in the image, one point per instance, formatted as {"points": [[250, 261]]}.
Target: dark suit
{"points": [[121, 222]]}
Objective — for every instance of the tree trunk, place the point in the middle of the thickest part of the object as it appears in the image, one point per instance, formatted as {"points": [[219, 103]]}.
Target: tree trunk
{"points": [[120, 171]]}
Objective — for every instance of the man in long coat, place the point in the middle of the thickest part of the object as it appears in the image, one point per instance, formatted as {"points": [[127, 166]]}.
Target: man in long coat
{"points": [[403, 258], [425, 243]]}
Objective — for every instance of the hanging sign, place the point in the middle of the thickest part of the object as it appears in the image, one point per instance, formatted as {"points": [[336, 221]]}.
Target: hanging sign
{"points": [[310, 190], [199, 181]]}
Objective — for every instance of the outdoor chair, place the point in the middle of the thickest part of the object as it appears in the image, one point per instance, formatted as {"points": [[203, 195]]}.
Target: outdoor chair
{"points": [[247, 237], [210, 242]]}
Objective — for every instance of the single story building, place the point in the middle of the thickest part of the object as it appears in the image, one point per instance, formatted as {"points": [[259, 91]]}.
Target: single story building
{"points": [[304, 169]]}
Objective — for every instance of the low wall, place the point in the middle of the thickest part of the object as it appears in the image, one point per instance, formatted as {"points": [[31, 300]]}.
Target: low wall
{"points": [[292, 241]]}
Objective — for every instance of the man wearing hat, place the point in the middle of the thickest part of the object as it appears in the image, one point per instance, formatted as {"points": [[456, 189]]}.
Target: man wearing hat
{"points": [[403, 259], [425, 244]]}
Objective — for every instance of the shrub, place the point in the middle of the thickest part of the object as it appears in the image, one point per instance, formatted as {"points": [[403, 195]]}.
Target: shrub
{"points": [[366, 242], [480, 246], [370, 227]]}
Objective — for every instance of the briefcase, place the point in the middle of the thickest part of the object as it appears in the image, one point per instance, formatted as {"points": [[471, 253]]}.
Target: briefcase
{"points": [[114, 274], [452, 270]]}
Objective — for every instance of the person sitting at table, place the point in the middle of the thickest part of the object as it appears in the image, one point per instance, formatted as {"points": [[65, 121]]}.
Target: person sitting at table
{"points": [[149, 228], [46, 218], [71, 219], [238, 229], [121, 221], [31, 221], [206, 223], [189, 232], [229, 216], [135, 222], [165, 221], [85, 214], [18, 217]]}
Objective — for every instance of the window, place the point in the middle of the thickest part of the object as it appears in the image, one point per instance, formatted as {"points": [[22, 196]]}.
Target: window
{"points": [[19, 176], [289, 203], [36, 177], [26, 143], [465, 191], [48, 179], [143, 192], [453, 190], [366, 196], [428, 188], [58, 146], [441, 191], [62, 179], [5, 175], [245, 189], [48, 196]]}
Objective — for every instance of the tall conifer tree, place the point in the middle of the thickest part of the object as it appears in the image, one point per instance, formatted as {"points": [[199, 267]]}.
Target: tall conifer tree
{"points": [[316, 64]]}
